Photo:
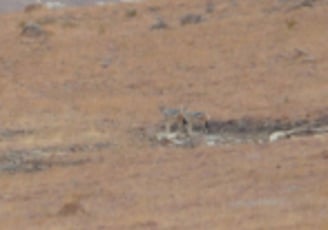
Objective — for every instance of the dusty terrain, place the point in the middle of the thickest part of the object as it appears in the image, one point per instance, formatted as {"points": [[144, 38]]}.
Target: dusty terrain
{"points": [[80, 101]]}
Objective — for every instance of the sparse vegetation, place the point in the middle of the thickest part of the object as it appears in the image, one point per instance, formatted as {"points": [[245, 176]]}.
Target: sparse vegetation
{"points": [[102, 29], [130, 13], [291, 23]]}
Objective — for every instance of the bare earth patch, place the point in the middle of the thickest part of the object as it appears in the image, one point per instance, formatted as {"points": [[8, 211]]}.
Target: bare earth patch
{"points": [[81, 142]]}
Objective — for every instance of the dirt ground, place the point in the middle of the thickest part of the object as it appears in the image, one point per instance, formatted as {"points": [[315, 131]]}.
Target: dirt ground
{"points": [[80, 100]]}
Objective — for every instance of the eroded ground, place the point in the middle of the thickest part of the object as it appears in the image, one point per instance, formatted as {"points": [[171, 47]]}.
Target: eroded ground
{"points": [[80, 98]]}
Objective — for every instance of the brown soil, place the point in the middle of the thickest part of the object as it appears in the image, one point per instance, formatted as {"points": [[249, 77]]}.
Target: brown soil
{"points": [[79, 100]]}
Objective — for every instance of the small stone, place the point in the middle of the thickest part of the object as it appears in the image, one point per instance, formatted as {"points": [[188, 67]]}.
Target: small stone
{"points": [[209, 7], [159, 24], [191, 19], [277, 136]]}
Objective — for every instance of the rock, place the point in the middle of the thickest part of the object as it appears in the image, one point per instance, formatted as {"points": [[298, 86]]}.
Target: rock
{"points": [[169, 136], [191, 19], [277, 136], [159, 24], [209, 7], [32, 29]]}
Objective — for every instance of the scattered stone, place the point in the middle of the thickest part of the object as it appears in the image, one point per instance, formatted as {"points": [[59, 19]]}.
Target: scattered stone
{"points": [[244, 130], [159, 24], [168, 136], [32, 29], [306, 130], [38, 159], [191, 19], [180, 139]]}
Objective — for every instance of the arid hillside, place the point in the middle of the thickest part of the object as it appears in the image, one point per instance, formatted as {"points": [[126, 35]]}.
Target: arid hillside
{"points": [[81, 92]]}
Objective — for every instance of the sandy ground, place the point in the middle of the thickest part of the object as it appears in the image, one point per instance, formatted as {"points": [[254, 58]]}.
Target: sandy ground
{"points": [[79, 101]]}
